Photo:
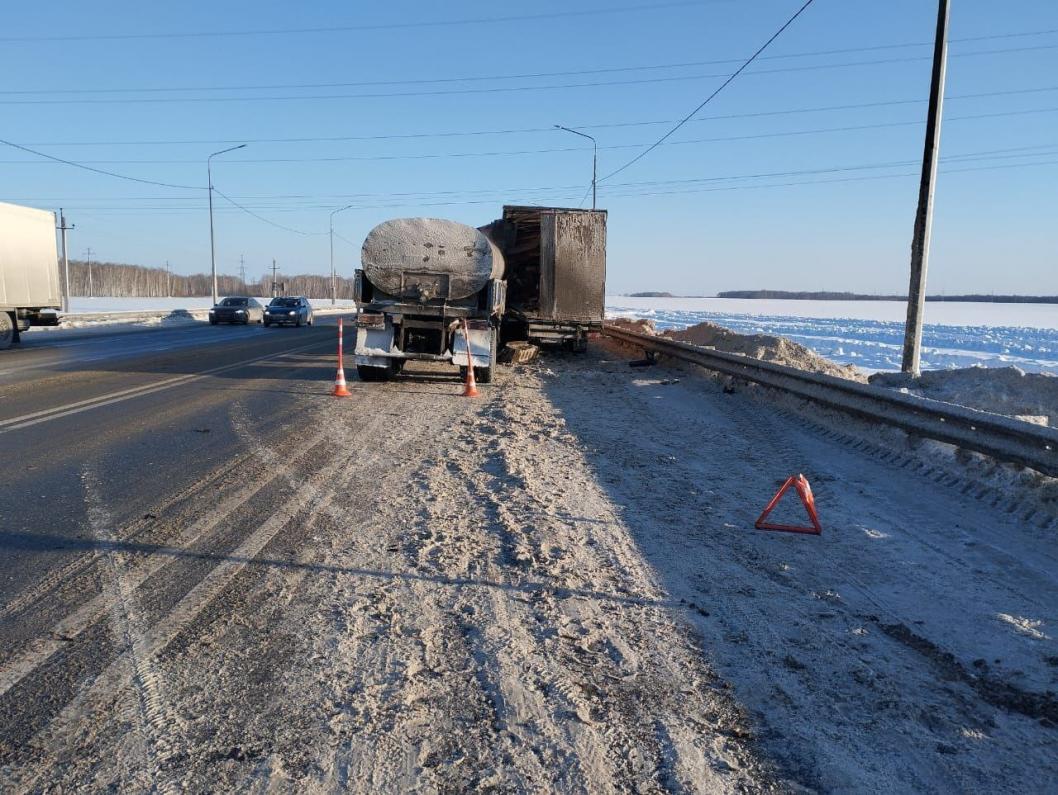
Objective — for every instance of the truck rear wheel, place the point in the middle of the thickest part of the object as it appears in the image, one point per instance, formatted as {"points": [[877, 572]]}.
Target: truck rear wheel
{"points": [[7, 330], [367, 373], [484, 374]]}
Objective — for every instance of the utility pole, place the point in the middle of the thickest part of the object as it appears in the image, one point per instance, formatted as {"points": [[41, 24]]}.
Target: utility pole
{"points": [[88, 259], [168, 281], [212, 251], [242, 271], [274, 293], [916, 297], [65, 263]]}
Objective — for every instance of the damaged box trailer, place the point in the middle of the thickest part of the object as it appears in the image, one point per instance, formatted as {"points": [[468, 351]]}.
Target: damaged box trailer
{"points": [[556, 273]]}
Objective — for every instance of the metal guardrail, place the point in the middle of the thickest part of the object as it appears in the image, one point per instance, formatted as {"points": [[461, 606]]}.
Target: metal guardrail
{"points": [[1000, 437]]}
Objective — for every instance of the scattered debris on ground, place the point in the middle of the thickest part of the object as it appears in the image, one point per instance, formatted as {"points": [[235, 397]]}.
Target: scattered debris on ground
{"points": [[519, 352], [1032, 397]]}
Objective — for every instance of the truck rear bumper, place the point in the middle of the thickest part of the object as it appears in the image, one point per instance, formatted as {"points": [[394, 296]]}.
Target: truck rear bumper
{"points": [[376, 346]]}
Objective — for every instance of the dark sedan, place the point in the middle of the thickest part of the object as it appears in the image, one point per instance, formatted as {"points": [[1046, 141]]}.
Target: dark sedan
{"points": [[288, 310], [237, 309]]}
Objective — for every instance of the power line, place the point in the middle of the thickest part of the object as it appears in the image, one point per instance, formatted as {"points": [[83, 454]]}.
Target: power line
{"points": [[706, 101], [503, 89], [561, 150], [641, 194], [527, 75], [842, 179], [623, 188], [347, 240], [530, 130], [446, 23], [262, 218], [99, 170]]}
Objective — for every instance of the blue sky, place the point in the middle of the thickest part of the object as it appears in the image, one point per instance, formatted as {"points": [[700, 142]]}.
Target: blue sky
{"points": [[692, 217]]}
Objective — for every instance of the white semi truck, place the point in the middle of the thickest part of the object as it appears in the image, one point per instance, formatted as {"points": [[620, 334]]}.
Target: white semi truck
{"points": [[29, 269]]}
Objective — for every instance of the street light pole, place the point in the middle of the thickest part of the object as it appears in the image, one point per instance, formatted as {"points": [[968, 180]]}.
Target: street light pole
{"points": [[594, 157], [212, 250], [334, 284]]}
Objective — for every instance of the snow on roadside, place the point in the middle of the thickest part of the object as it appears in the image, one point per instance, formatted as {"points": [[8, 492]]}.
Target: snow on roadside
{"points": [[869, 334], [105, 313], [107, 304], [1032, 397]]}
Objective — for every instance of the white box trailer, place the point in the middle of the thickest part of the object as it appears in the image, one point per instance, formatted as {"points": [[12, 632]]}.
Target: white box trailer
{"points": [[29, 269]]}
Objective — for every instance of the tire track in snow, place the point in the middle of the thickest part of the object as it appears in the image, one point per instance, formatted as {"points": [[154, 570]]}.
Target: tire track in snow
{"points": [[93, 699], [43, 647], [149, 707]]}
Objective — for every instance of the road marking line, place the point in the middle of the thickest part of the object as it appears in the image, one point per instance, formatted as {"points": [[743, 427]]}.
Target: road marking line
{"points": [[38, 652], [37, 417]]}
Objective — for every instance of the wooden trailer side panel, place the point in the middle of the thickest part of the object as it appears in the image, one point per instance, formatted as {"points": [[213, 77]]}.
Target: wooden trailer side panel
{"points": [[573, 266]]}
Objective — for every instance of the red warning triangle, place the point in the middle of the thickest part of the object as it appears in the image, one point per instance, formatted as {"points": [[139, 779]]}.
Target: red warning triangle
{"points": [[804, 491]]}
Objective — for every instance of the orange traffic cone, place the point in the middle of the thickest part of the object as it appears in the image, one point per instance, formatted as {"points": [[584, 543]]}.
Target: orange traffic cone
{"points": [[471, 389], [339, 385], [339, 380]]}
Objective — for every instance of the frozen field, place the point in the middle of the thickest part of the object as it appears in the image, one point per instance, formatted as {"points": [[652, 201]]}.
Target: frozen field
{"points": [[869, 334]]}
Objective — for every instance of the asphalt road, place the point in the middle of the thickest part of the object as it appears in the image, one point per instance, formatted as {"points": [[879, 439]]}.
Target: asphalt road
{"points": [[146, 412], [214, 576]]}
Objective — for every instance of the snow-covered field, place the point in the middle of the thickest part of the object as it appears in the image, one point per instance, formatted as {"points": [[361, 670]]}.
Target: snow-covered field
{"points": [[869, 334]]}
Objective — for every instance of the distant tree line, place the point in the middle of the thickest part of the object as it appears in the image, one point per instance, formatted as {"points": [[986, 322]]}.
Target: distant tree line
{"points": [[121, 280], [831, 296]]}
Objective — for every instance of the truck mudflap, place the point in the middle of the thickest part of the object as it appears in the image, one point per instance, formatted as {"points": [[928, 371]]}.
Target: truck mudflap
{"points": [[481, 345], [374, 344]]}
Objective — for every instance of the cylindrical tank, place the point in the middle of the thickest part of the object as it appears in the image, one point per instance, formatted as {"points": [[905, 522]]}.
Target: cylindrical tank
{"points": [[427, 258]]}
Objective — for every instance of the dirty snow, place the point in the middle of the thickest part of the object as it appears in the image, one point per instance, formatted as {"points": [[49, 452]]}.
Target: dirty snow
{"points": [[1032, 397], [554, 588], [869, 334]]}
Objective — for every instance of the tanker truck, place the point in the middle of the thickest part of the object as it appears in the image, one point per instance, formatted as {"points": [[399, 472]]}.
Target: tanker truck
{"points": [[422, 282], [29, 269]]}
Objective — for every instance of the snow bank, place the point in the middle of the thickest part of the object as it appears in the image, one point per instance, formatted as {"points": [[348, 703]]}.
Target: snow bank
{"points": [[762, 346], [1032, 397]]}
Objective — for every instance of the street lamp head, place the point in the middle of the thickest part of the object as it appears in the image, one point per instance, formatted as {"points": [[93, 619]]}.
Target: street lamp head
{"points": [[223, 151]]}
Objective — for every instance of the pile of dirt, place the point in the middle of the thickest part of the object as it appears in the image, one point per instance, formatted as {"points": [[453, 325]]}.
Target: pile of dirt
{"points": [[1032, 397], [634, 324], [763, 346]]}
